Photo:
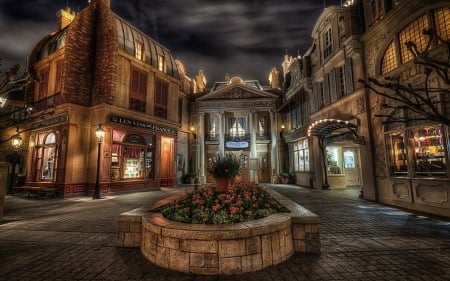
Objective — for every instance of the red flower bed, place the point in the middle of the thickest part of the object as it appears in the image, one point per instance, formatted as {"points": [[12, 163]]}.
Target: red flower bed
{"points": [[247, 201]]}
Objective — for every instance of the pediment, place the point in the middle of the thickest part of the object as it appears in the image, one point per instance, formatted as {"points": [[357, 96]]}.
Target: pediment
{"points": [[237, 91]]}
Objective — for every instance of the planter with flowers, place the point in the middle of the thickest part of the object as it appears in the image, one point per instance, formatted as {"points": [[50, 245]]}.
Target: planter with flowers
{"points": [[224, 170]]}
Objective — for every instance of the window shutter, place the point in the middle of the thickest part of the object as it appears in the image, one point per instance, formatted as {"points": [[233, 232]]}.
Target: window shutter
{"points": [[314, 101], [349, 75], [333, 85], [326, 89]]}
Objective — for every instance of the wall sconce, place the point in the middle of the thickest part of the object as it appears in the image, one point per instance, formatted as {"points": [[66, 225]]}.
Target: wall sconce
{"points": [[193, 132], [16, 140], [282, 129]]}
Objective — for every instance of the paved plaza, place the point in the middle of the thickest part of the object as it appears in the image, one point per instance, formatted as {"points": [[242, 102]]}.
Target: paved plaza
{"points": [[75, 239]]}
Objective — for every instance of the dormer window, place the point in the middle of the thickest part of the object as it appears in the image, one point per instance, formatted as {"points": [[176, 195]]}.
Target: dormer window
{"points": [[139, 50], [162, 63], [327, 43]]}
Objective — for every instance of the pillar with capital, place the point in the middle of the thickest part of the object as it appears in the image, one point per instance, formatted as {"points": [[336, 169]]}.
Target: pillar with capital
{"points": [[201, 147], [274, 148]]}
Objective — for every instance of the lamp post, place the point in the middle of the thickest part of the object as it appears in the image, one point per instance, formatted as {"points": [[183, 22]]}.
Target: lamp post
{"points": [[100, 134], [16, 142]]}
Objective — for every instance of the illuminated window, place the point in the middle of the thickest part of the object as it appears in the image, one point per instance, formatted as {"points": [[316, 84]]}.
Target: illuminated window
{"points": [[334, 160], [389, 61], [301, 156], [414, 33], [237, 127], [46, 157], [327, 43], [162, 63], [139, 50], [442, 22]]}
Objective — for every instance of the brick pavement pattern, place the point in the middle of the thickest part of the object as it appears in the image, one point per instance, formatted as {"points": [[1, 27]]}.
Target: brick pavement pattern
{"points": [[75, 239]]}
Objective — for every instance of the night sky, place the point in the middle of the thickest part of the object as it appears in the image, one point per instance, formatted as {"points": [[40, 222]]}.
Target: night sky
{"points": [[239, 37]]}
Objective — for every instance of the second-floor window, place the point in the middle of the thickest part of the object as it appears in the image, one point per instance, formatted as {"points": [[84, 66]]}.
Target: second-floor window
{"points": [[161, 93], [43, 84], [138, 90], [327, 43], [59, 76]]}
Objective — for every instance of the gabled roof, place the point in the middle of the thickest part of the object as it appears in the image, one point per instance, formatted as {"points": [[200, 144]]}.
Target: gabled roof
{"points": [[237, 91]]}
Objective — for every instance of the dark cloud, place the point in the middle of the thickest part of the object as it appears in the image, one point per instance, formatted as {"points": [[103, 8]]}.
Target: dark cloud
{"points": [[245, 38]]}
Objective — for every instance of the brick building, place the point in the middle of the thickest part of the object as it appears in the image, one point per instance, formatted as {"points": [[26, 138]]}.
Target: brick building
{"points": [[99, 70]]}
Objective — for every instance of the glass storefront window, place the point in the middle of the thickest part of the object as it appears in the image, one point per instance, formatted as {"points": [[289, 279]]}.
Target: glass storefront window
{"points": [[132, 158], [334, 160], [301, 155], [397, 154], [46, 157], [428, 151]]}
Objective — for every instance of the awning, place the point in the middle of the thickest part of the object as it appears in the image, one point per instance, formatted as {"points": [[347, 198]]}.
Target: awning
{"points": [[326, 127]]}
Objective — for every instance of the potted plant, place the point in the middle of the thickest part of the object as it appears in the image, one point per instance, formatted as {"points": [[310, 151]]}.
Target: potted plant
{"points": [[224, 169], [285, 176]]}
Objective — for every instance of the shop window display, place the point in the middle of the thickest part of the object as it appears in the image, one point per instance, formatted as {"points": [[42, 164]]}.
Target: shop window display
{"points": [[334, 160], [429, 151]]}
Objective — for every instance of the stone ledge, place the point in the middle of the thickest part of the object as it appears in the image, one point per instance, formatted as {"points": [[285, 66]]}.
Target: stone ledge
{"points": [[220, 249]]}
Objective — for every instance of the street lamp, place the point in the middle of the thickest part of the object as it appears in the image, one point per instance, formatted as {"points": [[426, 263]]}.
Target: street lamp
{"points": [[100, 134], [16, 140]]}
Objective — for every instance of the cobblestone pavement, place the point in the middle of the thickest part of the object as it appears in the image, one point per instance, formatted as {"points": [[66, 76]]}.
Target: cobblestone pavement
{"points": [[74, 239]]}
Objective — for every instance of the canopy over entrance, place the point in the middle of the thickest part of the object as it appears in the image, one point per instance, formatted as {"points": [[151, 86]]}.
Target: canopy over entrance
{"points": [[333, 130]]}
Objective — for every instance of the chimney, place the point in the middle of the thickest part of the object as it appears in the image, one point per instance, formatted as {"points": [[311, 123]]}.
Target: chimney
{"points": [[65, 17], [106, 2]]}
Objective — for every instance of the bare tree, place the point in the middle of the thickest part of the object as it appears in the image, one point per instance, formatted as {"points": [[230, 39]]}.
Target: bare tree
{"points": [[11, 82], [419, 102]]}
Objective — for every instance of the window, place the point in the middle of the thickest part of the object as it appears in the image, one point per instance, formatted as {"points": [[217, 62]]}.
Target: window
{"points": [[46, 157], [442, 23], [301, 155], [428, 151], [139, 50], [389, 61], [414, 33], [397, 154], [43, 84], [334, 160], [131, 156], [237, 126], [417, 152], [162, 63], [18, 113], [327, 43], [212, 135], [59, 76], [138, 90], [341, 82], [161, 93]]}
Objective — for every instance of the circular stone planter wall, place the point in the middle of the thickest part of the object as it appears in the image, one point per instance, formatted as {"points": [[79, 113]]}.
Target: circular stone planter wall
{"points": [[217, 249]]}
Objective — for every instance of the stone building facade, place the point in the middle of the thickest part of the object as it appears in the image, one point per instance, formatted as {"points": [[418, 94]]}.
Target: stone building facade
{"points": [[99, 70], [411, 157]]}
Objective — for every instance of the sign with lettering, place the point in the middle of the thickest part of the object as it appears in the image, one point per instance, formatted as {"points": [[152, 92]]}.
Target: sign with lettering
{"points": [[236, 144], [143, 125], [55, 120]]}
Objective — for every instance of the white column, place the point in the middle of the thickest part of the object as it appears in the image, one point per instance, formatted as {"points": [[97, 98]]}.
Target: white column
{"points": [[252, 134], [201, 141], [222, 132], [274, 141]]}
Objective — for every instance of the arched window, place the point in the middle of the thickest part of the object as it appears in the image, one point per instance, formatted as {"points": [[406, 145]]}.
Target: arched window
{"points": [[389, 61], [46, 157], [442, 22], [413, 32], [132, 156]]}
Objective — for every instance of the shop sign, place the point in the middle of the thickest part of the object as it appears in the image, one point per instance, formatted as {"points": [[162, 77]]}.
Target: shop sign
{"points": [[236, 144], [143, 125], [60, 119]]}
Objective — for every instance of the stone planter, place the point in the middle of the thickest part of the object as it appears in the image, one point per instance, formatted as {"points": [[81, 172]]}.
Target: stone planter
{"points": [[221, 249]]}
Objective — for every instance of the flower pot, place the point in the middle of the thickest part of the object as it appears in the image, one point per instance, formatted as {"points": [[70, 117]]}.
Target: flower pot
{"points": [[222, 184], [284, 180]]}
